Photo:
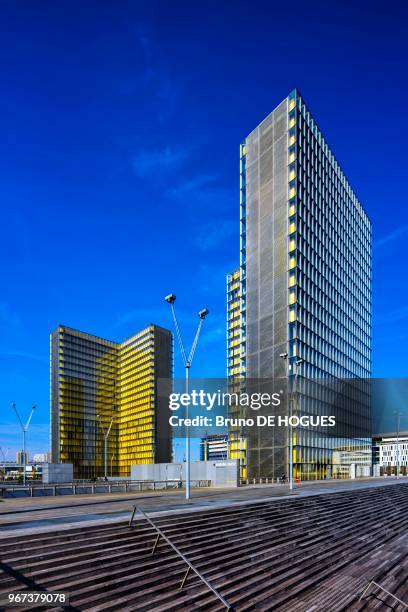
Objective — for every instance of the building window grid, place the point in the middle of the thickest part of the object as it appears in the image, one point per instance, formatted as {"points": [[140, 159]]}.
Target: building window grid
{"points": [[346, 298]]}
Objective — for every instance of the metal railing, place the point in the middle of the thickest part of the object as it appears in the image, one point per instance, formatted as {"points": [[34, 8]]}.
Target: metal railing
{"points": [[101, 486], [372, 582], [190, 567]]}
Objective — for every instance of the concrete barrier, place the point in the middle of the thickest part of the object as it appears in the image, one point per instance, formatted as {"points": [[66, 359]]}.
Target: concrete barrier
{"points": [[220, 473]]}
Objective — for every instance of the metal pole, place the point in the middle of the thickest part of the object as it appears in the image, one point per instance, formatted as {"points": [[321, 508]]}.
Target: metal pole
{"points": [[291, 435], [24, 429], [170, 299], [187, 365], [298, 362], [285, 357], [4, 461], [105, 444], [24, 457], [106, 456], [398, 414]]}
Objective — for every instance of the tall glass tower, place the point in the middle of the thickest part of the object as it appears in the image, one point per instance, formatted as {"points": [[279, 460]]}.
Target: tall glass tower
{"points": [[306, 284]]}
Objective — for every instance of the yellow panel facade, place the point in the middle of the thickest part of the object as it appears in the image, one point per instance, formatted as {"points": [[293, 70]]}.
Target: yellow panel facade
{"points": [[236, 364], [95, 382], [136, 401]]}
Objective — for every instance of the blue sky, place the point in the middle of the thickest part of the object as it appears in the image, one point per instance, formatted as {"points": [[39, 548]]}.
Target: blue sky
{"points": [[120, 128]]}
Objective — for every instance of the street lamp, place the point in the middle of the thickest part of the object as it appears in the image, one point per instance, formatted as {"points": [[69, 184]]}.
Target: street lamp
{"points": [[4, 454], [397, 417], [24, 430], [112, 458], [105, 443], [170, 299], [292, 392]]}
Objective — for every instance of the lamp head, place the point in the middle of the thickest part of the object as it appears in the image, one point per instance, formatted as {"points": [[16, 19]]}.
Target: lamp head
{"points": [[283, 355], [170, 299], [203, 313]]}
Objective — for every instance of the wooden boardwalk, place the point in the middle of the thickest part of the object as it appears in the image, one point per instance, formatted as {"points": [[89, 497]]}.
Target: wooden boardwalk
{"points": [[310, 554]]}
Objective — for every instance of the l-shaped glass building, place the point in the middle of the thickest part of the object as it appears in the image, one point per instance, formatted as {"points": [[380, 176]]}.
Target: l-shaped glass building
{"points": [[99, 386]]}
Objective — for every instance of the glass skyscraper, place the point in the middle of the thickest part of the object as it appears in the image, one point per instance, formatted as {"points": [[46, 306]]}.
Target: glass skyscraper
{"points": [[95, 381], [306, 287]]}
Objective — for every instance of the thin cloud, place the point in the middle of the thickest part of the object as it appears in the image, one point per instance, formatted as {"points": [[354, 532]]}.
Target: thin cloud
{"points": [[148, 162], [203, 191], [8, 317], [9, 427], [213, 235], [6, 352], [393, 316], [38, 439], [143, 315], [159, 315], [193, 185], [214, 335], [391, 236]]}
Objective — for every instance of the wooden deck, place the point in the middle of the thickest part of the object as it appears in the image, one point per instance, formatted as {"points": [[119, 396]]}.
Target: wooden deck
{"points": [[309, 554]]}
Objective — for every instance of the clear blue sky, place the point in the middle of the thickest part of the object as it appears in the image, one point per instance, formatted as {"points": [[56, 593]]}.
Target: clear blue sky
{"points": [[121, 124]]}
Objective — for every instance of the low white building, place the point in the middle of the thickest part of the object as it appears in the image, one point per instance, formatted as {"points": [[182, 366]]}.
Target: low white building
{"points": [[391, 451], [42, 458]]}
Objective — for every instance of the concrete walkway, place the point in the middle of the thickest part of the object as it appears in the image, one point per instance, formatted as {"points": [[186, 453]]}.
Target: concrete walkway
{"points": [[44, 514]]}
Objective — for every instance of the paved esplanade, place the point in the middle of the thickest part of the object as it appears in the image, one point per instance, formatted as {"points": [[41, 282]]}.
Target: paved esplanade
{"points": [[48, 513]]}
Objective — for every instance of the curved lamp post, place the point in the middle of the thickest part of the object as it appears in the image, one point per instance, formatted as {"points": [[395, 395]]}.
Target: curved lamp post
{"points": [[170, 299]]}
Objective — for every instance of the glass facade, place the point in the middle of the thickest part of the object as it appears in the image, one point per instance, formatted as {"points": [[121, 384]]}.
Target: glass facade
{"points": [[94, 381], [235, 326], [214, 448], [236, 362], [305, 284]]}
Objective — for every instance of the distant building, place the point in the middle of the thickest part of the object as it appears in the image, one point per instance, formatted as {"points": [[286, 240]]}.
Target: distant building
{"points": [[214, 447], [20, 457], [388, 451], [42, 458], [95, 382]]}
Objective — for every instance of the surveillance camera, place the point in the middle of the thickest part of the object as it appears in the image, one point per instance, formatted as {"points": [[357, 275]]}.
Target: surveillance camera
{"points": [[171, 298]]}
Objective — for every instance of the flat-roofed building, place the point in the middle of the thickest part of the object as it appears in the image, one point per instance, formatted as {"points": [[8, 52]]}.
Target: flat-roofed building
{"points": [[96, 382], [305, 275]]}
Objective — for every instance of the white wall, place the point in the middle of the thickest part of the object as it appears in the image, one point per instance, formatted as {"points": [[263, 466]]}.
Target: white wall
{"points": [[57, 472], [221, 473]]}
